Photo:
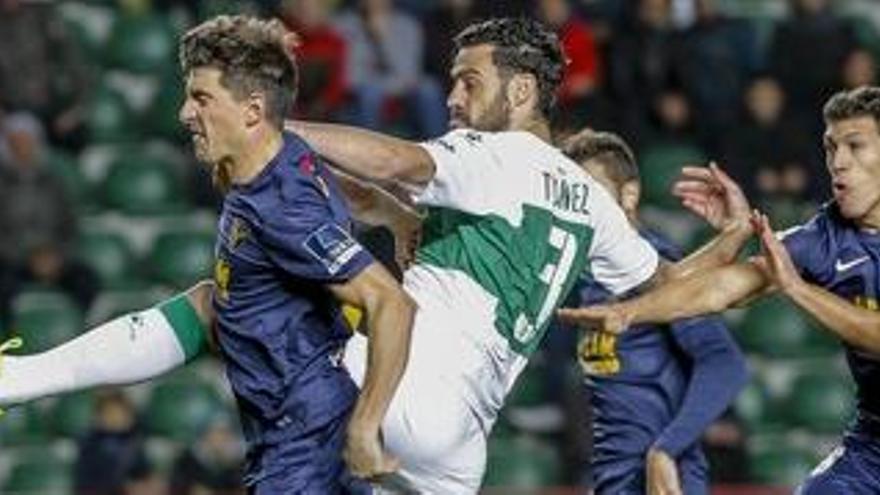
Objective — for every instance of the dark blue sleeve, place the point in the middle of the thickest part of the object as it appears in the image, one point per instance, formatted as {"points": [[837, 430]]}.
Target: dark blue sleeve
{"points": [[718, 374], [306, 240]]}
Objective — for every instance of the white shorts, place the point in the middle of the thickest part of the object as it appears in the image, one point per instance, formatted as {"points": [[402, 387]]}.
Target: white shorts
{"points": [[429, 426]]}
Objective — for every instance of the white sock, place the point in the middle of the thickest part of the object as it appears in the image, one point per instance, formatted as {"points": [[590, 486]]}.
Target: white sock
{"points": [[129, 349]]}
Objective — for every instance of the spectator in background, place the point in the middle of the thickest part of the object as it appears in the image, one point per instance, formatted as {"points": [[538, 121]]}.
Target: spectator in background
{"points": [[450, 16], [807, 54], [671, 121], [321, 56], [714, 59], [583, 70], [212, 465], [859, 69], [385, 64], [112, 452], [37, 218], [770, 152], [641, 62], [41, 70]]}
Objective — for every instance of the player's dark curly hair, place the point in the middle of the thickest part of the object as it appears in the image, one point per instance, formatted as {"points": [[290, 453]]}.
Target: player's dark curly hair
{"points": [[251, 55], [608, 148], [859, 102], [521, 45]]}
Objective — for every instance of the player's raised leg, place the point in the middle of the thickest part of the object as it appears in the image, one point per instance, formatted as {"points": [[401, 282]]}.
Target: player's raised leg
{"points": [[129, 349]]}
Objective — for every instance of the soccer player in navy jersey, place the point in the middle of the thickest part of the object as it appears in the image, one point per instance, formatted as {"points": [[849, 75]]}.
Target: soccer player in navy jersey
{"points": [[285, 259], [655, 388], [829, 267]]}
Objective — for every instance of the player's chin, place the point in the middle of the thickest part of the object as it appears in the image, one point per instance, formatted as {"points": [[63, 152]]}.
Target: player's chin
{"points": [[455, 123]]}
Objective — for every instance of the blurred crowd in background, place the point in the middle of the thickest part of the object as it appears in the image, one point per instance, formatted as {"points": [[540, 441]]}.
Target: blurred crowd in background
{"points": [[103, 209]]}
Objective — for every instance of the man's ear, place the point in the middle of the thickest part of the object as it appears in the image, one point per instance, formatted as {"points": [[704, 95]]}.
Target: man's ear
{"points": [[255, 109], [522, 89], [630, 195]]}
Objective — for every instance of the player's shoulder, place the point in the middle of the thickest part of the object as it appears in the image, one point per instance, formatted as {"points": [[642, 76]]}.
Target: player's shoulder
{"points": [[825, 224]]}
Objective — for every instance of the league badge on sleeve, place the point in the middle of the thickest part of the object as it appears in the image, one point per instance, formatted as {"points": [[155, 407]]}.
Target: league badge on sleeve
{"points": [[332, 246]]}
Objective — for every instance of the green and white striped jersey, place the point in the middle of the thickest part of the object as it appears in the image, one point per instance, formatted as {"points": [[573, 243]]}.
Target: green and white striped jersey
{"points": [[511, 225]]}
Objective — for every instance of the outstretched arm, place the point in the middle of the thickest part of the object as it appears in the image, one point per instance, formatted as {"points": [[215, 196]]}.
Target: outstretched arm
{"points": [[371, 155], [712, 291], [390, 312]]}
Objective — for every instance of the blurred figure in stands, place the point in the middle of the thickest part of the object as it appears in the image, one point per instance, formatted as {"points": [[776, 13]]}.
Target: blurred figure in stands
{"points": [[385, 65], [111, 453], [321, 56], [37, 217], [212, 465]]}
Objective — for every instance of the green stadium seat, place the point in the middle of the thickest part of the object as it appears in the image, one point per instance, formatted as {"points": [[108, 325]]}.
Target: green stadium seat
{"points": [[660, 167], [776, 328], [755, 407], [529, 389], [141, 44], [109, 118], [181, 258], [110, 256], [161, 115], [67, 170], [45, 319], [22, 425], [143, 185], [780, 464], [522, 462], [71, 415], [180, 409], [112, 303], [40, 474], [822, 402]]}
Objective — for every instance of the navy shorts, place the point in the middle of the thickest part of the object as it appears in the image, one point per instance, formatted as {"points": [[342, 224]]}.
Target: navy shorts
{"points": [[852, 469], [309, 463], [692, 470]]}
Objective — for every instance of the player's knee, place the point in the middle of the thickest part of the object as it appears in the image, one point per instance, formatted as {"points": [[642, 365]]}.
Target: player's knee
{"points": [[199, 297]]}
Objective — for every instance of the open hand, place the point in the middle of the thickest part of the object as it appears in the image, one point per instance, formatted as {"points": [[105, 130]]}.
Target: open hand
{"points": [[713, 195], [775, 262]]}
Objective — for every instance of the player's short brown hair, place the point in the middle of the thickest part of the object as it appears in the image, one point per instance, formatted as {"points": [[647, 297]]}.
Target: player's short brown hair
{"points": [[607, 148], [859, 102], [251, 56]]}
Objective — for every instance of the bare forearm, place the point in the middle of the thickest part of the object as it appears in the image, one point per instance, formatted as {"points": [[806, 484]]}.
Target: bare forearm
{"points": [[367, 154], [859, 327], [389, 326], [721, 250], [710, 291]]}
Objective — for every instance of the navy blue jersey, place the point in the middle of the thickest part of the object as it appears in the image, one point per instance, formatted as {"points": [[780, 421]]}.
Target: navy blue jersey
{"points": [[834, 253], [641, 385], [282, 238]]}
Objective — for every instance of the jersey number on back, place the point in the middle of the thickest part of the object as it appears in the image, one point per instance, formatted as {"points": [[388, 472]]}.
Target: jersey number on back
{"points": [[554, 275]]}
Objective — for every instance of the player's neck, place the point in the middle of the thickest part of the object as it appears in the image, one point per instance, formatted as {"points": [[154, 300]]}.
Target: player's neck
{"points": [[538, 127], [256, 157], [871, 221]]}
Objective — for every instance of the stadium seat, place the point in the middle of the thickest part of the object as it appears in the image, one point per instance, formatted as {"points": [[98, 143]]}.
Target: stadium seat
{"points": [[179, 409], [113, 303], [660, 167], [757, 410], [529, 388], [776, 328], [142, 44], [67, 170], [45, 319], [71, 415], [39, 474], [110, 256], [22, 425], [143, 185], [160, 118], [180, 258], [779, 464], [109, 118], [821, 402], [522, 462]]}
